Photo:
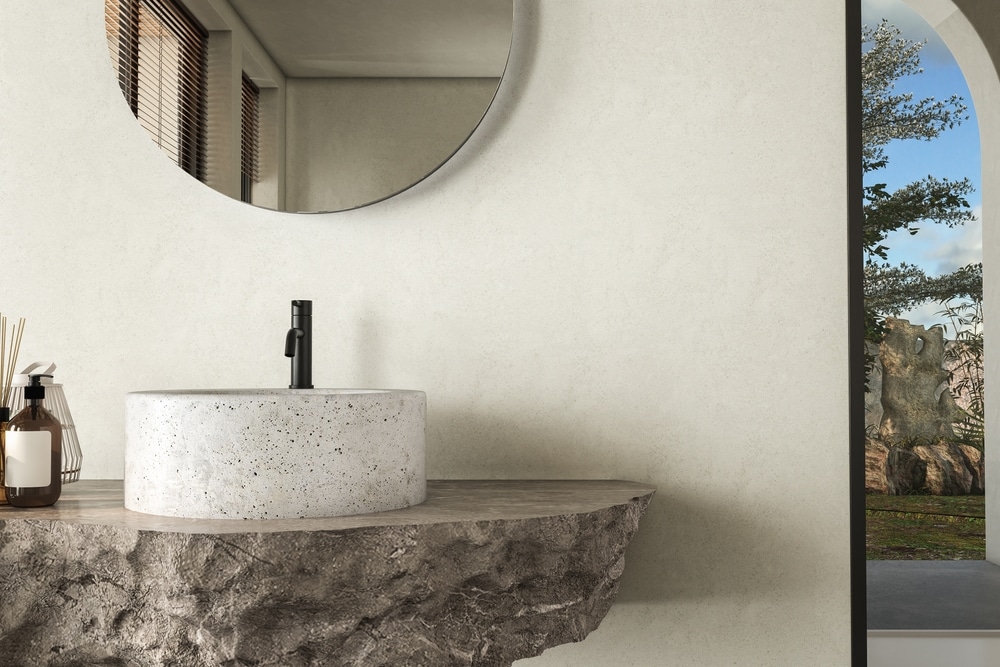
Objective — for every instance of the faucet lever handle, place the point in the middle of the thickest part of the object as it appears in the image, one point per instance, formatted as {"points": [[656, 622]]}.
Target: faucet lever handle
{"points": [[291, 341]]}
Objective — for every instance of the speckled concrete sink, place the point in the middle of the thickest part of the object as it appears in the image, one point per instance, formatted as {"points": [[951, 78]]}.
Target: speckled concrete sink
{"points": [[274, 453]]}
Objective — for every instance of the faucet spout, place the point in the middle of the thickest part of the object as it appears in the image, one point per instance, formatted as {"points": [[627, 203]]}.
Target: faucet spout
{"points": [[292, 339], [298, 345]]}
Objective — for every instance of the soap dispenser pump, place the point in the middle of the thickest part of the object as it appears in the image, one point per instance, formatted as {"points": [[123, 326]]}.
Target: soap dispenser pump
{"points": [[33, 452]]}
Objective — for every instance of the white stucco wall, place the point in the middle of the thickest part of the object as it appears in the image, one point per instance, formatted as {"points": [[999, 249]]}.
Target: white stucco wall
{"points": [[591, 288], [973, 35], [970, 30]]}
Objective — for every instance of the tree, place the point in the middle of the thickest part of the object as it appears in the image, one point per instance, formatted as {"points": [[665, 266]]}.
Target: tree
{"points": [[894, 289], [886, 116]]}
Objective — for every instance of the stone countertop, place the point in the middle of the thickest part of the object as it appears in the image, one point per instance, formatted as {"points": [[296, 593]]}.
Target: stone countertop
{"points": [[99, 502], [483, 573]]}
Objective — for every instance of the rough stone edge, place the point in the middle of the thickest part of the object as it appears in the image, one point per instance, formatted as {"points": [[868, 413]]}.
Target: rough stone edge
{"points": [[623, 519]]}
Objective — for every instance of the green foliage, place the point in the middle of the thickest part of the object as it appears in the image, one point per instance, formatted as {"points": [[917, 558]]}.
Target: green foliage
{"points": [[894, 289], [930, 200], [888, 115], [965, 359], [925, 527]]}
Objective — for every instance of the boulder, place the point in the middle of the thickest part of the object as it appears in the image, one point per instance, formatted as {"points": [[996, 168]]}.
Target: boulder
{"points": [[952, 469], [941, 468], [876, 455], [905, 472]]}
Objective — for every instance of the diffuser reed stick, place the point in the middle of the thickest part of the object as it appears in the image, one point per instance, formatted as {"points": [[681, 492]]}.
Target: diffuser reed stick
{"points": [[8, 357]]}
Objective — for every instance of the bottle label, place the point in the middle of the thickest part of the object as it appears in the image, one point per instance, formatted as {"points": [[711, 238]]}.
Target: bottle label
{"points": [[28, 460]]}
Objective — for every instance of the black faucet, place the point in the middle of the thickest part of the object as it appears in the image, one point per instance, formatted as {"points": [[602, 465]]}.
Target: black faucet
{"points": [[298, 344]]}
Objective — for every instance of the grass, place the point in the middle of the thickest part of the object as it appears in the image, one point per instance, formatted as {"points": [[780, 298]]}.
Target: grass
{"points": [[926, 527]]}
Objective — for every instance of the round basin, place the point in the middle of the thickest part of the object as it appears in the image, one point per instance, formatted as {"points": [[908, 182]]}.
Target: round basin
{"points": [[274, 453]]}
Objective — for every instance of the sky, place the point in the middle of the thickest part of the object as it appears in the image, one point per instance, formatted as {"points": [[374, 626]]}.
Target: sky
{"points": [[953, 154]]}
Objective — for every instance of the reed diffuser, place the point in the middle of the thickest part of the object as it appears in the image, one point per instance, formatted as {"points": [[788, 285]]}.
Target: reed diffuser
{"points": [[8, 359]]}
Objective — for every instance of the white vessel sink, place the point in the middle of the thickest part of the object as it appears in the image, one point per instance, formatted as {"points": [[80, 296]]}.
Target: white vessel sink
{"points": [[274, 453]]}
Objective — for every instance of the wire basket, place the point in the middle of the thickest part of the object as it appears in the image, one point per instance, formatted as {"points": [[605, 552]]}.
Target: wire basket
{"points": [[55, 402]]}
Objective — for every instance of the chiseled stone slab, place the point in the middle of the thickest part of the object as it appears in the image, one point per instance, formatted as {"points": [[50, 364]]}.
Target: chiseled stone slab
{"points": [[483, 573]]}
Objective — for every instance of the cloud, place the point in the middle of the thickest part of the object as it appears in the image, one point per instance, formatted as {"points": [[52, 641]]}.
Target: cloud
{"points": [[962, 246], [927, 315], [912, 25], [939, 249]]}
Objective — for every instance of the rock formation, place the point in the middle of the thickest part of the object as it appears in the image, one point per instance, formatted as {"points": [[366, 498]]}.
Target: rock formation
{"points": [[876, 458], [911, 408], [917, 406], [951, 469], [941, 468], [459, 591]]}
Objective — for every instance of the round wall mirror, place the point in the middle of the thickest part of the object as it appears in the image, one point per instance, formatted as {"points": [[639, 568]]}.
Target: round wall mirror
{"points": [[312, 105]]}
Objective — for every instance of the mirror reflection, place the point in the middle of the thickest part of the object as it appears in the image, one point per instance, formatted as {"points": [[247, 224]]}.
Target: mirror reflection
{"points": [[311, 105]]}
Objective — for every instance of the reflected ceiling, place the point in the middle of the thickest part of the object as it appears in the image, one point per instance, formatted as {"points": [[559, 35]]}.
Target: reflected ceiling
{"points": [[382, 38]]}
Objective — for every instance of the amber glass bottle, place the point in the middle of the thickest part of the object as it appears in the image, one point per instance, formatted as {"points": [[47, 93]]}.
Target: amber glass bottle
{"points": [[33, 452]]}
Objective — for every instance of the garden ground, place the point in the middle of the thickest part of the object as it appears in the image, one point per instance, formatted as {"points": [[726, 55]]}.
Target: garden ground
{"points": [[925, 527]]}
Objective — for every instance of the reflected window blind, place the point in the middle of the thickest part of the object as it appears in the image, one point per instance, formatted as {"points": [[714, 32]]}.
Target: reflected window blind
{"points": [[159, 51], [249, 142]]}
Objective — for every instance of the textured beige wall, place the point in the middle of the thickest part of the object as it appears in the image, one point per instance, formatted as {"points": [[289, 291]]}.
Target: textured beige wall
{"points": [[592, 287], [354, 141]]}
